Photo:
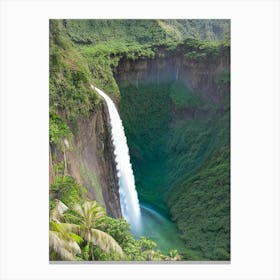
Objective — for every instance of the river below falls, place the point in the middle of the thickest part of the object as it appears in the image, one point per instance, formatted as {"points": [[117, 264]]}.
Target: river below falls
{"points": [[159, 229]]}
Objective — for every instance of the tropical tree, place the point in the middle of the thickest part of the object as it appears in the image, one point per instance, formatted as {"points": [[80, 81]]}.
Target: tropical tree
{"points": [[63, 244], [85, 218]]}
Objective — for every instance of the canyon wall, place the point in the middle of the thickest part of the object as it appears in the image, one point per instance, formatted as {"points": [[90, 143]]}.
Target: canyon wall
{"points": [[90, 159], [200, 76]]}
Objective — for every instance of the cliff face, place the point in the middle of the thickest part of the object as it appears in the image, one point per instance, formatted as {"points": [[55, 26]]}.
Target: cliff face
{"points": [[90, 159], [174, 110], [200, 76]]}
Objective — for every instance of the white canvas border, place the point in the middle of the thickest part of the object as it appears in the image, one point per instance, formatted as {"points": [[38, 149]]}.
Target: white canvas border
{"points": [[254, 142]]}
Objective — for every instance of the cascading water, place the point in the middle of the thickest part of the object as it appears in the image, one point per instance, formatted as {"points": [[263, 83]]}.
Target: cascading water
{"points": [[128, 195]]}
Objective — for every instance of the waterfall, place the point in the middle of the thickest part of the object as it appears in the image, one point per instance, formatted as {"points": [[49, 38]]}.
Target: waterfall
{"points": [[128, 195]]}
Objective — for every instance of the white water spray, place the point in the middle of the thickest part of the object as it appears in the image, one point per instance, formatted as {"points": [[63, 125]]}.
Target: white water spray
{"points": [[128, 195]]}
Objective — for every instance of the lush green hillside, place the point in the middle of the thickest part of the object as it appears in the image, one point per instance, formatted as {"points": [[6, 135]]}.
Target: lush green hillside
{"points": [[70, 78], [144, 31], [201, 206], [181, 166], [104, 42]]}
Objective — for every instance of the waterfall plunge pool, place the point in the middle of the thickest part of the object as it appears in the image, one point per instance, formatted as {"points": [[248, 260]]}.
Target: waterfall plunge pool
{"points": [[160, 229]]}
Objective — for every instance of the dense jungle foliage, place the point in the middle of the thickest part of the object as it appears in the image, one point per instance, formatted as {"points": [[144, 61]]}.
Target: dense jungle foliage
{"points": [[182, 167]]}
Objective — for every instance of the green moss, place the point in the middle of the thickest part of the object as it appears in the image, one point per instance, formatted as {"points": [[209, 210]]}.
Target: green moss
{"points": [[91, 178]]}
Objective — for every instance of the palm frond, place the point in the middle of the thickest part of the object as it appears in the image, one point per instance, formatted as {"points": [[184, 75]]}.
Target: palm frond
{"points": [[104, 241], [78, 208], [58, 211], [63, 242], [65, 237], [73, 228], [65, 249], [90, 212]]}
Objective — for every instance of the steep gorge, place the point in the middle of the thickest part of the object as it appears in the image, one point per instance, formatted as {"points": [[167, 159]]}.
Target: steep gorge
{"points": [[161, 96], [176, 115]]}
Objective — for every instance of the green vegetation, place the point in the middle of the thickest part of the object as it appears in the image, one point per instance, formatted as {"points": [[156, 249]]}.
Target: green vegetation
{"points": [[70, 78], [100, 44], [196, 49], [174, 158], [84, 232], [182, 96], [137, 106], [91, 179], [144, 31], [58, 129], [179, 141], [164, 153], [201, 205], [105, 42], [100, 64], [146, 135], [67, 190]]}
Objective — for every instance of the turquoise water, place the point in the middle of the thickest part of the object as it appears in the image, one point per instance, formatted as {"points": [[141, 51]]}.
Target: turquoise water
{"points": [[159, 229]]}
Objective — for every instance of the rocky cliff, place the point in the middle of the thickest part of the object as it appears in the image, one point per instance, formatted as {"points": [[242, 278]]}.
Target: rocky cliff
{"points": [[90, 159], [162, 99], [200, 76]]}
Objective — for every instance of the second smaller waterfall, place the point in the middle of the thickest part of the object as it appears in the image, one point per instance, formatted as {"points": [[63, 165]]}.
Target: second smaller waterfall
{"points": [[128, 195]]}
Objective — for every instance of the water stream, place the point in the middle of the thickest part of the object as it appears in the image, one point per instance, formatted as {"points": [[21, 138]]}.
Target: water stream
{"points": [[128, 195]]}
